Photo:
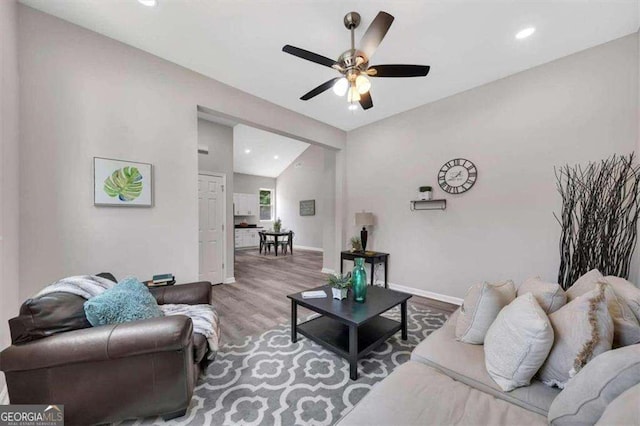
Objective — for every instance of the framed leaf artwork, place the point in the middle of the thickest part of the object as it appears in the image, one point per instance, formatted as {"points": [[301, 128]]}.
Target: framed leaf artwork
{"points": [[122, 183]]}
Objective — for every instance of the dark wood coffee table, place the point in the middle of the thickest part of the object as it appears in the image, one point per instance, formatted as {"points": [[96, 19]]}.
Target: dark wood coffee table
{"points": [[348, 328]]}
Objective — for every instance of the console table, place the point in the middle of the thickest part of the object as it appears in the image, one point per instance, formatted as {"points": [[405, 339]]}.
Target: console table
{"points": [[371, 257]]}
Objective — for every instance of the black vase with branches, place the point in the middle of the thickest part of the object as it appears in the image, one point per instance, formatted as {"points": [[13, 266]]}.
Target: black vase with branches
{"points": [[599, 217]]}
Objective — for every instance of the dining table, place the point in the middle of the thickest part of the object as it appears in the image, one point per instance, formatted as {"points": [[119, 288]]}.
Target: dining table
{"points": [[277, 235]]}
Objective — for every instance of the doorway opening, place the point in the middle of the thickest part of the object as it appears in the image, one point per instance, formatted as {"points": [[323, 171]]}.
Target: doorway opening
{"points": [[280, 198]]}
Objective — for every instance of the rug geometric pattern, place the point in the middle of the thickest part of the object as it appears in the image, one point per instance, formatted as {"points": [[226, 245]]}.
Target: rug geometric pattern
{"points": [[267, 380]]}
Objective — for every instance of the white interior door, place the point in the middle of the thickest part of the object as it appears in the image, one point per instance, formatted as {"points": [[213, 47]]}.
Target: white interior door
{"points": [[211, 228]]}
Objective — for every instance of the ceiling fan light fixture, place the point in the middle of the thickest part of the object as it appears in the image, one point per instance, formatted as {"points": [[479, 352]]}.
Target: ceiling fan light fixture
{"points": [[341, 86], [353, 107], [363, 84], [353, 95]]}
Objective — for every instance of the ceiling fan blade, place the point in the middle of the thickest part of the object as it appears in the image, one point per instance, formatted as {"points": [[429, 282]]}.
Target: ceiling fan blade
{"points": [[398, 70], [375, 33], [322, 88], [365, 100], [309, 56]]}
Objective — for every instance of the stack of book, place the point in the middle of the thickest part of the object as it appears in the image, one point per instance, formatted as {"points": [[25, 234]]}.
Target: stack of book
{"points": [[162, 279]]}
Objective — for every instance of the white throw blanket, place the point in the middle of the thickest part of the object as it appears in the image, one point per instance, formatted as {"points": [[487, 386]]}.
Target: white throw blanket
{"points": [[204, 318]]}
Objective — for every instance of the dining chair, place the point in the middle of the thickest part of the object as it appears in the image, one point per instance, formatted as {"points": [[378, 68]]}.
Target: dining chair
{"points": [[287, 243], [265, 243]]}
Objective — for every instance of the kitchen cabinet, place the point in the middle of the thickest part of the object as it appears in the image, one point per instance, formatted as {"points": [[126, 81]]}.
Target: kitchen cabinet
{"points": [[246, 205], [247, 237]]}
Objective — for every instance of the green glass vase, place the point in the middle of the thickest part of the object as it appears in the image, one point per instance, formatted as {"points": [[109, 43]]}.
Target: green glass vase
{"points": [[359, 280]]}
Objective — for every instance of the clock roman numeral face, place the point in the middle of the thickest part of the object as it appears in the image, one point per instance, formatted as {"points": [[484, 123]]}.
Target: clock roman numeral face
{"points": [[457, 176]]}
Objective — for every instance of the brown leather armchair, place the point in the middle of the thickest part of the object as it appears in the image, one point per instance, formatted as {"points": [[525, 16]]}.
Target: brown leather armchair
{"points": [[109, 373]]}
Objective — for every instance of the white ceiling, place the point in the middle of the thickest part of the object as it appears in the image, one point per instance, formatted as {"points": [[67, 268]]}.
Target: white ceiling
{"points": [[239, 42], [263, 146]]}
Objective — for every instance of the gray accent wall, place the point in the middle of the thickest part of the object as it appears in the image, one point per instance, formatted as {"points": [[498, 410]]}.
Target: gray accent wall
{"points": [[219, 139], [307, 178], [9, 222], [84, 95], [580, 108]]}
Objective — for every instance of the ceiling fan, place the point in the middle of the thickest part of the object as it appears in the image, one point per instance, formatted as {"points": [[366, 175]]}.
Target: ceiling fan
{"points": [[353, 64]]}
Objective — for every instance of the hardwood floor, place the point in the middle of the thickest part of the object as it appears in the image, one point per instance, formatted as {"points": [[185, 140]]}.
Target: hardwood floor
{"points": [[257, 301]]}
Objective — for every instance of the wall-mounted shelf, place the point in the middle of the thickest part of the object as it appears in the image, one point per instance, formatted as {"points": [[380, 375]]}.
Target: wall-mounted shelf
{"points": [[439, 204]]}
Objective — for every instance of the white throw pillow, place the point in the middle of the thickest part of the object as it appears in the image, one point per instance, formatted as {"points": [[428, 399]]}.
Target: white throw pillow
{"points": [[517, 343], [584, 284], [583, 329], [550, 296], [629, 292], [480, 307]]}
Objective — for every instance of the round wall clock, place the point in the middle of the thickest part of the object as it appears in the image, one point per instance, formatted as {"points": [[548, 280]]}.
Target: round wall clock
{"points": [[457, 176]]}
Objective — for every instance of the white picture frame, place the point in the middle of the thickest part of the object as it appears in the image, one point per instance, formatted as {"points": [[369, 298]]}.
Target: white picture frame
{"points": [[120, 183]]}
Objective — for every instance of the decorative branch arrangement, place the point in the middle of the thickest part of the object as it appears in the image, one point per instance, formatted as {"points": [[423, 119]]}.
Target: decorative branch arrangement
{"points": [[599, 217]]}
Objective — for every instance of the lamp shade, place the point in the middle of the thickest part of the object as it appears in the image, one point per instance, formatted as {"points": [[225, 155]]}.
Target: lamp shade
{"points": [[364, 219]]}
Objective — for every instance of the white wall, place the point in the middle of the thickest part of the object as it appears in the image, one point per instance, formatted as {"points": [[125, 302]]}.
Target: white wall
{"points": [[84, 95], [306, 179], [251, 184], [580, 108], [9, 301], [219, 139]]}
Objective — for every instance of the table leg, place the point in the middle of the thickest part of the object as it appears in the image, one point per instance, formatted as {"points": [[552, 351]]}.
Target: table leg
{"points": [[353, 352], [341, 265], [294, 321], [403, 319], [276, 246], [386, 272], [373, 270]]}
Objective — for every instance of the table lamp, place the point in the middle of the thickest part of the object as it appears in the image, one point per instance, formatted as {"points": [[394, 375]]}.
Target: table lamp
{"points": [[364, 219]]}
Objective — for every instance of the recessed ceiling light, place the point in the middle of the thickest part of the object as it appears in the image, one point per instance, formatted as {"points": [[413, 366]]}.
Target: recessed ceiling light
{"points": [[247, 151], [353, 107], [275, 157], [525, 33], [149, 3]]}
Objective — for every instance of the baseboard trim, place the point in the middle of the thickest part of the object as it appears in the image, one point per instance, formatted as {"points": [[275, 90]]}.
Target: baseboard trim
{"points": [[229, 280], [425, 293], [328, 271], [295, 247]]}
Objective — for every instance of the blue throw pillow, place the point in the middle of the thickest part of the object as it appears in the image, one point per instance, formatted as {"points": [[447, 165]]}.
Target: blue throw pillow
{"points": [[129, 300]]}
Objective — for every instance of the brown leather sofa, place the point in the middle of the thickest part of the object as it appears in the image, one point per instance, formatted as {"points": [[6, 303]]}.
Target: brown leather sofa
{"points": [[108, 373]]}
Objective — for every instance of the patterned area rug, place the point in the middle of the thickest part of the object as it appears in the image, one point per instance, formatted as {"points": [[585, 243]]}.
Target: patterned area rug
{"points": [[267, 380]]}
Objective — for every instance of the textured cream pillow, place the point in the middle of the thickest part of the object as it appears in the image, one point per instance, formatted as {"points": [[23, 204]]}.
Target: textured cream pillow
{"points": [[629, 292], [550, 296], [626, 329], [586, 396], [583, 329], [625, 324], [480, 307], [584, 284], [517, 343]]}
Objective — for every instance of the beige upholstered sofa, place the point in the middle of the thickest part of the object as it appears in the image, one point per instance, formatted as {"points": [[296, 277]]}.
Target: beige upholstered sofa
{"points": [[446, 383]]}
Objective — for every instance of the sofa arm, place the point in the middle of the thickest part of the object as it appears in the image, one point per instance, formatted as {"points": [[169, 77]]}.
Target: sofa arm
{"points": [[164, 334], [190, 294]]}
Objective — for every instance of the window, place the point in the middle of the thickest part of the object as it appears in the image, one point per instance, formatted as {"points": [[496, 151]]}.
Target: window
{"points": [[266, 204]]}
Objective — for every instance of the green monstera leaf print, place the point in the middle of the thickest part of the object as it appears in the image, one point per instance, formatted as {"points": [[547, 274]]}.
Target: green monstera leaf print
{"points": [[124, 183]]}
